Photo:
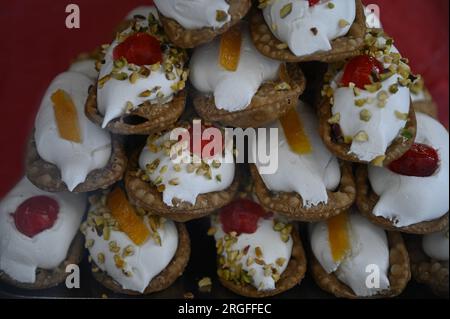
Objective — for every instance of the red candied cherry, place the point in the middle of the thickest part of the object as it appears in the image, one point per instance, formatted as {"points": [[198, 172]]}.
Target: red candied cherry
{"points": [[360, 70], [421, 161], [35, 215], [140, 49], [195, 135], [313, 2], [242, 216]]}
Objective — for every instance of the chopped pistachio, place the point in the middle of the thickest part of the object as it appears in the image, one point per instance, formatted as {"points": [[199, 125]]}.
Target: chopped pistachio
{"points": [[360, 102], [381, 104], [361, 137], [146, 93], [407, 134], [258, 252], [382, 96], [205, 282], [134, 77], [280, 261], [374, 87], [401, 116], [101, 258], [221, 16], [103, 80], [335, 119], [286, 10], [378, 161], [393, 88], [365, 115], [122, 76], [343, 23]]}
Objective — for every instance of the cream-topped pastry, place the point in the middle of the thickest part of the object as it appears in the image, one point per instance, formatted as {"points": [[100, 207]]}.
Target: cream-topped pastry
{"points": [[372, 116], [114, 250], [367, 250], [196, 14], [408, 200], [75, 159], [309, 28], [140, 67], [261, 251], [436, 246], [30, 239], [232, 90], [310, 174], [86, 67], [181, 179], [142, 11]]}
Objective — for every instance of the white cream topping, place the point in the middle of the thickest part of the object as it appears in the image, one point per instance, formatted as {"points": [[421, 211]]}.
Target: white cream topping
{"points": [[296, 29], [195, 14], [143, 11], [409, 200], [75, 160], [436, 246], [309, 175], [114, 96], [146, 261], [369, 247], [21, 256], [272, 246], [86, 67], [384, 124], [179, 183], [233, 91]]}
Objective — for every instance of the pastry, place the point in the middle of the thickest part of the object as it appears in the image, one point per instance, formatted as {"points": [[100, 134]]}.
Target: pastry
{"points": [[429, 261], [142, 12], [352, 258], [411, 194], [309, 30], [309, 184], [259, 254], [31, 221], [67, 152], [133, 252], [141, 83], [189, 24], [365, 113], [237, 86], [184, 188]]}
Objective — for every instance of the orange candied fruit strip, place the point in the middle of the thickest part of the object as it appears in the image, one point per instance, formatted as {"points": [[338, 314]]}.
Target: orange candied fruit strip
{"points": [[129, 222], [338, 236], [230, 49], [66, 116], [295, 133]]}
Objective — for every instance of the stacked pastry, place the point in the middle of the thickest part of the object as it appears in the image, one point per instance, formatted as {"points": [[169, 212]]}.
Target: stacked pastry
{"points": [[360, 164]]}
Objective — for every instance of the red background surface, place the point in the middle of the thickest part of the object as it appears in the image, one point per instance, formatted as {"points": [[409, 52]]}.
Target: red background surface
{"points": [[35, 46]]}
